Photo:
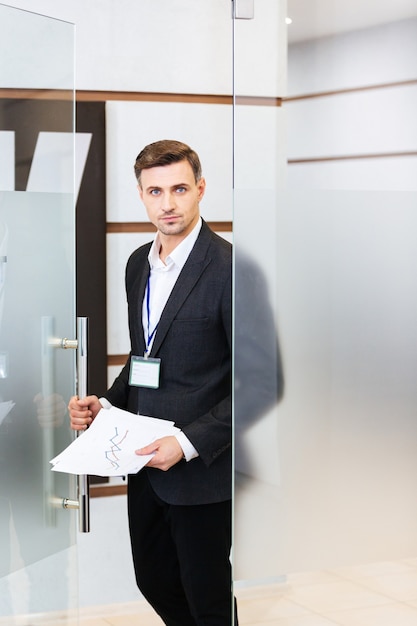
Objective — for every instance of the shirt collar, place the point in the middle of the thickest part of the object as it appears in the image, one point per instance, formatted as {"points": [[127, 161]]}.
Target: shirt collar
{"points": [[179, 255]]}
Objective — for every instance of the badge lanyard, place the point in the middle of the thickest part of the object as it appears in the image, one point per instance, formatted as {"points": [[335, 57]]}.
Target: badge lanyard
{"points": [[151, 335], [145, 371]]}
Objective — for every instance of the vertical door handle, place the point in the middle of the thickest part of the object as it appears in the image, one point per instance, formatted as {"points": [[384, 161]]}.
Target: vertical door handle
{"points": [[83, 486], [48, 388], [82, 503]]}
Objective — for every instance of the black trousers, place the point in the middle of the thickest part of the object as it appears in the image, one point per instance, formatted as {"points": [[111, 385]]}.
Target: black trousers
{"points": [[181, 557]]}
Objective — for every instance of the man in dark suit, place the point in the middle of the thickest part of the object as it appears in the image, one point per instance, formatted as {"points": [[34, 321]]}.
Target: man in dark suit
{"points": [[179, 303]]}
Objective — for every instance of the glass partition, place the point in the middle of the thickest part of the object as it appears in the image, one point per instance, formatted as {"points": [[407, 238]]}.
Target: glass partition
{"points": [[325, 208], [259, 171], [37, 223]]}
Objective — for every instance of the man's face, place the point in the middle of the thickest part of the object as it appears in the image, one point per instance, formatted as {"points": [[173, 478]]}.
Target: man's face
{"points": [[171, 197]]}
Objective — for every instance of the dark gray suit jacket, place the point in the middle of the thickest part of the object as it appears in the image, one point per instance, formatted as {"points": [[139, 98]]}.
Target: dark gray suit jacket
{"points": [[193, 341]]}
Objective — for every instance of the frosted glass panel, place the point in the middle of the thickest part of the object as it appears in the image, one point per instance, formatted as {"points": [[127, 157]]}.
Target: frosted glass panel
{"points": [[259, 385], [334, 464], [347, 285], [36, 380]]}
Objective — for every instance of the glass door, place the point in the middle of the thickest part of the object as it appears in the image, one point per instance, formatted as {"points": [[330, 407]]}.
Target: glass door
{"points": [[38, 565], [259, 160], [325, 220]]}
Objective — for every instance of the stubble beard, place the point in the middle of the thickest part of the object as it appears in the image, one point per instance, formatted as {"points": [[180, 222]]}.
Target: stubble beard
{"points": [[172, 229]]}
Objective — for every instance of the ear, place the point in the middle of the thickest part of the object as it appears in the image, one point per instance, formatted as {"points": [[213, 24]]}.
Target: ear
{"points": [[201, 186], [139, 188]]}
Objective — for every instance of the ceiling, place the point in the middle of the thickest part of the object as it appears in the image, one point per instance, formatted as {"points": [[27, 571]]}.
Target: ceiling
{"points": [[319, 18]]}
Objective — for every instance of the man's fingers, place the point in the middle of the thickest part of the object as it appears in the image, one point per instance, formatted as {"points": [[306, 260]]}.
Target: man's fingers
{"points": [[152, 447]]}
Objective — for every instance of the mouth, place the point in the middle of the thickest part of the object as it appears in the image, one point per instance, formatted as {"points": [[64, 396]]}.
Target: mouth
{"points": [[170, 218]]}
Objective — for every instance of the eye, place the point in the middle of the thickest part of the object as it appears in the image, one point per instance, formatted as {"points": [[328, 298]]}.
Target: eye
{"points": [[154, 192], [180, 190]]}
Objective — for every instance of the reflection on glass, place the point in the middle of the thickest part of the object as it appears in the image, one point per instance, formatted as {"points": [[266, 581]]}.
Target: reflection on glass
{"points": [[258, 390]]}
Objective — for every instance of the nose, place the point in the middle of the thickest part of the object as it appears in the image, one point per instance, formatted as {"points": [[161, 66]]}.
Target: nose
{"points": [[168, 202]]}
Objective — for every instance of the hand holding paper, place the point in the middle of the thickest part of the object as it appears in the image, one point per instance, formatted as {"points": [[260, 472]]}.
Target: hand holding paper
{"points": [[164, 452], [108, 447]]}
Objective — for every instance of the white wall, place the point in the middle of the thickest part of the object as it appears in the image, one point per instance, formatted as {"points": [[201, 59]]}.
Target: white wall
{"points": [[374, 119], [372, 56]]}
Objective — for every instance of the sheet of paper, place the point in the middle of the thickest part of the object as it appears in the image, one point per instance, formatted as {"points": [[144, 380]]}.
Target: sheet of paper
{"points": [[107, 447]]}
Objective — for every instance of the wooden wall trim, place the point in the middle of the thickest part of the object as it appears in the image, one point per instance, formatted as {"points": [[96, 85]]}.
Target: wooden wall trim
{"points": [[116, 359], [37, 94], [138, 96], [353, 157], [338, 92], [147, 227], [141, 96], [129, 96], [130, 227], [103, 491]]}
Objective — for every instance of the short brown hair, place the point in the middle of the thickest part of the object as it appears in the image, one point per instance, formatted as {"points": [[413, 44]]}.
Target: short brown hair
{"points": [[165, 152]]}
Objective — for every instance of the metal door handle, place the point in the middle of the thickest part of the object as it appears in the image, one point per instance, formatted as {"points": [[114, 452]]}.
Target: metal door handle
{"points": [[83, 486], [82, 503]]}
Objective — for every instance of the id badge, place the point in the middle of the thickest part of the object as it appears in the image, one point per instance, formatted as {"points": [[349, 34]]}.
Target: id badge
{"points": [[144, 372]]}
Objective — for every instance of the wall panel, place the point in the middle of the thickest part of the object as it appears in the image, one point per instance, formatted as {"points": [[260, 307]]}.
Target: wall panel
{"points": [[371, 56], [395, 173], [364, 122]]}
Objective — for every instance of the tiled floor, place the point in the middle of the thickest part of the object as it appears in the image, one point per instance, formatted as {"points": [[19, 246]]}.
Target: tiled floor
{"points": [[383, 594]]}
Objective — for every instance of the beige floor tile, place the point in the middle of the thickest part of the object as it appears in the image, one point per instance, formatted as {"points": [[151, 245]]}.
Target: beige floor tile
{"points": [[141, 619], [312, 578], [388, 615], [301, 620], [105, 610], [305, 620], [264, 609], [308, 620], [382, 568], [252, 591], [130, 614], [401, 586], [95, 621], [342, 595]]}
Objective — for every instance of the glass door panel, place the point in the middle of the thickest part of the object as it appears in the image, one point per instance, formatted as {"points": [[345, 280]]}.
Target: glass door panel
{"points": [[38, 566], [325, 204], [259, 170]]}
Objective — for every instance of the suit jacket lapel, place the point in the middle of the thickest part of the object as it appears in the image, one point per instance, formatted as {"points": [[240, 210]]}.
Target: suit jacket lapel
{"points": [[189, 276], [138, 294]]}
